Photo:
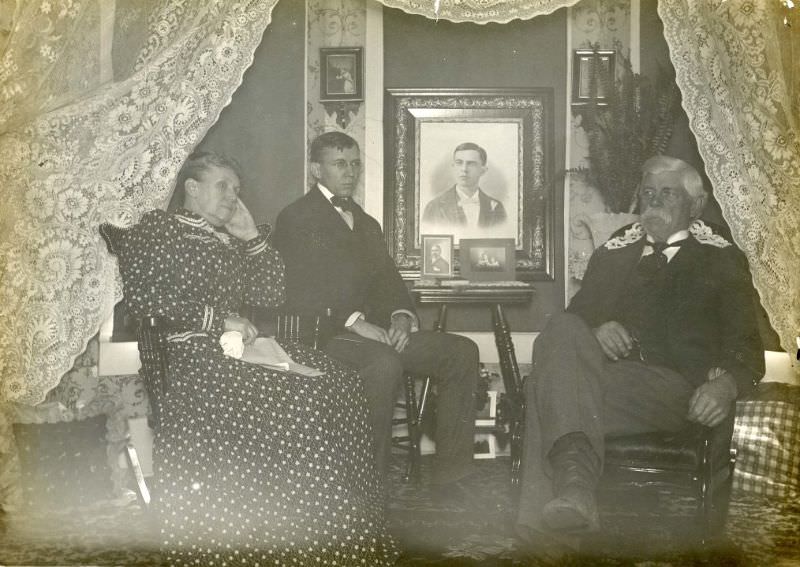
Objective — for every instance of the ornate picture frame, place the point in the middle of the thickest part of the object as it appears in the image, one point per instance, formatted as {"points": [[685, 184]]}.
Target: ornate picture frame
{"points": [[514, 127]]}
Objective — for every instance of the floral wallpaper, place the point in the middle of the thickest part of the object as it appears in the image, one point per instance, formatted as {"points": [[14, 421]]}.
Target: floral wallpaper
{"points": [[334, 23]]}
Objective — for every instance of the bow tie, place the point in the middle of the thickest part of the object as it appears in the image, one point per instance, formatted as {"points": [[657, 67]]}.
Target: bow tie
{"points": [[659, 247], [344, 203], [653, 263]]}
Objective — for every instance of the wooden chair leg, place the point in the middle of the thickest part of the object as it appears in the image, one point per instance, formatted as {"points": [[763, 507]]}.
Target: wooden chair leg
{"points": [[706, 506], [412, 422], [721, 499]]}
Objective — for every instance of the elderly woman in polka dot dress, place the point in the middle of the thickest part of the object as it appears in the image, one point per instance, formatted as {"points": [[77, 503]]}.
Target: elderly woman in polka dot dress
{"points": [[253, 466]]}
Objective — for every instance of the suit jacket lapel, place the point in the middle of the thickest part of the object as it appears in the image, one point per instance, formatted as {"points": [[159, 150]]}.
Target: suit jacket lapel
{"points": [[685, 259], [327, 212]]}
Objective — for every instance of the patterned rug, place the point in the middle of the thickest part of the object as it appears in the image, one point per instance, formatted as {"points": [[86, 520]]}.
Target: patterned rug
{"points": [[644, 532]]}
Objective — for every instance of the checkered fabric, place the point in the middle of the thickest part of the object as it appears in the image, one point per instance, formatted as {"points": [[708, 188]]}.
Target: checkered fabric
{"points": [[767, 439]]}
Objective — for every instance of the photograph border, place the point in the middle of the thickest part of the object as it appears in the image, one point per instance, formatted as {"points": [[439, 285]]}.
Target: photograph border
{"points": [[468, 244], [490, 440], [358, 75], [450, 257], [536, 207], [594, 56], [491, 420]]}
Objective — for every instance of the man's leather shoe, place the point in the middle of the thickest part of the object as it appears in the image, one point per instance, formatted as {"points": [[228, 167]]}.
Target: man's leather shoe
{"points": [[574, 509], [576, 470]]}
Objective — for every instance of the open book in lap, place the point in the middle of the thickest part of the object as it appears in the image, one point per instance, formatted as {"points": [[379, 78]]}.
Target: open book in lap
{"points": [[264, 351]]}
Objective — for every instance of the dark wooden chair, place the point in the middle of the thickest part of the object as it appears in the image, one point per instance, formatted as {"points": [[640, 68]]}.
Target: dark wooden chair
{"points": [[153, 371], [414, 407], [699, 459], [288, 325]]}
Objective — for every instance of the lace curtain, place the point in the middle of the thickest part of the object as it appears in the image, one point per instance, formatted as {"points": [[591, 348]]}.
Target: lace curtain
{"points": [[79, 147], [734, 66], [479, 11]]}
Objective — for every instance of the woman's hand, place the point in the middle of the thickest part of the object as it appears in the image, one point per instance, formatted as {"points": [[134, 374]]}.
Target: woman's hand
{"points": [[242, 225], [244, 326]]}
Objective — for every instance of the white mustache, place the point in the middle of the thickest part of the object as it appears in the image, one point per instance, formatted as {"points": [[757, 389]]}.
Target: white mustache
{"points": [[661, 214]]}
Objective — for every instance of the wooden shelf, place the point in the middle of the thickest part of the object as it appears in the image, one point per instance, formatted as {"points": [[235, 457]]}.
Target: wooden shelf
{"points": [[478, 294]]}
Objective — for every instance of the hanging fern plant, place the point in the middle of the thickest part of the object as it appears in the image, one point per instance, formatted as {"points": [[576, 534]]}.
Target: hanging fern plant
{"points": [[634, 124]]}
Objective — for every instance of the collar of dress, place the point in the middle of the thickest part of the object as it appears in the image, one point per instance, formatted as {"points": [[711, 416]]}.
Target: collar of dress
{"points": [[194, 220]]}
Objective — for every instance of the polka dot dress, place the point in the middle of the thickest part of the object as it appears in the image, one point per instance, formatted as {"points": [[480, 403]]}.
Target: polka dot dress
{"points": [[253, 466]]}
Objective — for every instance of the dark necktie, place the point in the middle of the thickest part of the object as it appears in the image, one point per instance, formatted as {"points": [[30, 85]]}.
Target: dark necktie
{"points": [[344, 203], [653, 263]]}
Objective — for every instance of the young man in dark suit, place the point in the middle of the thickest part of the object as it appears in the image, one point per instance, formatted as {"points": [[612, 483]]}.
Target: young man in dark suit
{"points": [[336, 260], [662, 333]]}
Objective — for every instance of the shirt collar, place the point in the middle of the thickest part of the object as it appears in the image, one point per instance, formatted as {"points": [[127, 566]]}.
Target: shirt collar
{"points": [[465, 199], [680, 235], [328, 195], [325, 191]]}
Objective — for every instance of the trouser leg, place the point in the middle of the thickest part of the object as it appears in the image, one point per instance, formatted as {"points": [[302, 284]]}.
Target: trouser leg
{"points": [[452, 361], [381, 372], [574, 388]]}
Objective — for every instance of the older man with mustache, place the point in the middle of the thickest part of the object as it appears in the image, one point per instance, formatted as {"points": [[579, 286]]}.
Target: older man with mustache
{"points": [[662, 333]]}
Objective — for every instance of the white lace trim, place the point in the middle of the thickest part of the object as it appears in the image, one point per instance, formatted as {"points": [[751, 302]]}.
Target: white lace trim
{"points": [[634, 234], [704, 235], [479, 11]]}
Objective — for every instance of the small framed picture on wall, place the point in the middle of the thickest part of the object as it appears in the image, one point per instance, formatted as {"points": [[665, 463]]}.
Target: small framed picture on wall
{"points": [[592, 76], [341, 73], [437, 255]]}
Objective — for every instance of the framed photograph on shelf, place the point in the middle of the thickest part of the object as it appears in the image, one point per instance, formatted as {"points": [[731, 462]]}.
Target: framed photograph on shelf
{"points": [[487, 259], [341, 73], [592, 76], [488, 148], [485, 446], [437, 256]]}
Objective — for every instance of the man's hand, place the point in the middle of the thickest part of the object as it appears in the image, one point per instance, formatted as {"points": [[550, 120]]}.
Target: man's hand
{"points": [[399, 331], [614, 339], [244, 326], [370, 331], [713, 399], [242, 225]]}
